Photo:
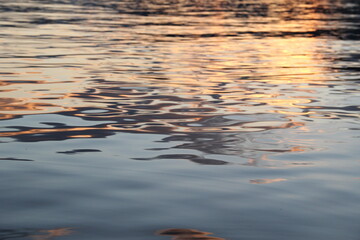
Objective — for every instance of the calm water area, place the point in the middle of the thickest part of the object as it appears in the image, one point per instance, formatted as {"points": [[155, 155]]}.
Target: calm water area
{"points": [[180, 119]]}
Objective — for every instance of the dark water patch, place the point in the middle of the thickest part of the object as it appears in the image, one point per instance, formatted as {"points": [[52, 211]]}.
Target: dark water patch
{"points": [[6, 73], [13, 8], [40, 21], [9, 82], [11, 234], [58, 135], [80, 151], [15, 159], [193, 110], [192, 158]]}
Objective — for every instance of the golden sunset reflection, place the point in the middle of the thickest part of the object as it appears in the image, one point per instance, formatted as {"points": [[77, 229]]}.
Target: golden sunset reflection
{"points": [[192, 68], [251, 72]]}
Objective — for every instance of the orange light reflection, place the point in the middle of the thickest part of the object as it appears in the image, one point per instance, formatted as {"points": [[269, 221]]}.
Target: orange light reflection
{"points": [[52, 233]]}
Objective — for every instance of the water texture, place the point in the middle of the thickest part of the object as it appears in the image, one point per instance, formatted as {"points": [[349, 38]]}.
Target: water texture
{"points": [[180, 119]]}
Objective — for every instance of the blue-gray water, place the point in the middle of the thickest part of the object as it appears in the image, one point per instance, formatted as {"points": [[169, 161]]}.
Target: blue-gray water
{"points": [[180, 119]]}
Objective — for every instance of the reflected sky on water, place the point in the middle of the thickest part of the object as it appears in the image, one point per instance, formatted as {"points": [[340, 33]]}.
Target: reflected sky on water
{"points": [[122, 118]]}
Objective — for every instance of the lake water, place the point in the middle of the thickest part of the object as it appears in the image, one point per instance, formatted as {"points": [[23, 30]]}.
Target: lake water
{"points": [[180, 119]]}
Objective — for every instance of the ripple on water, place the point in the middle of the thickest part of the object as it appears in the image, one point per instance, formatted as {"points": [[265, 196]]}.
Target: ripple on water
{"points": [[237, 117]]}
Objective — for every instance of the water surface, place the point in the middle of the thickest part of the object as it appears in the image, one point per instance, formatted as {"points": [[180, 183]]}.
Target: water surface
{"points": [[179, 119]]}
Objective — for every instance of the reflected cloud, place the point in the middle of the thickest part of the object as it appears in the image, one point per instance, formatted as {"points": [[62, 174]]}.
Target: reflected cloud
{"points": [[187, 234]]}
